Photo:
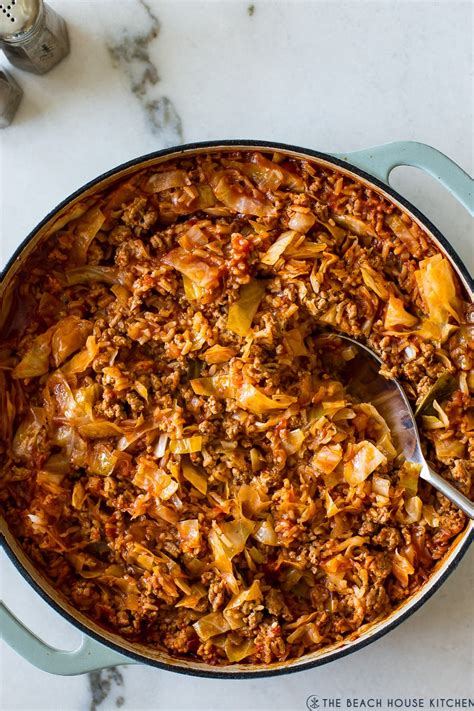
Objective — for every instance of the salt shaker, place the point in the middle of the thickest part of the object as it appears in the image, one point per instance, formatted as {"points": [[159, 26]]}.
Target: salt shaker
{"points": [[10, 97], [32, 35]]}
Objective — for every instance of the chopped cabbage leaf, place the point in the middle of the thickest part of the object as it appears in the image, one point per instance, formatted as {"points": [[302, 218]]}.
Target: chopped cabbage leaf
{"points": [[234, 535], [432, 423], [189, 533], [186, 445], [430, 516], [444, 419], [448, 448], [242, 311], [354, 225], [266, 175], [82, 360], [251, 398], [218, 354], [436, 284], [252, 593], [85, 232], [301, 222], [151, 478], [192, 290], [195, 475], [305, 249], [396, 315], [211, 625], [222, 560], [274, 252], [375, 281], [294, 343], [408, 477], [193, 598], [401, 568], [193, 238], [381, 486], [293, 441], [378, 430], [251, 501], [160, 447], [248, 200], [365, 460], [35, 362], [215, 385], [307, 635], [237, 652], [414, 509], [102, 461], [247, 395], [166, 180], [99, 429], [331, 508], [89, 272], [405, 233], [69, 335], [27, 434], [78, 495], [328, 457], [196, 269]]}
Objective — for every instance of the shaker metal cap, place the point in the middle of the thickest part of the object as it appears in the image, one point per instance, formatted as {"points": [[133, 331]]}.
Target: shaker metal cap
{"points": [[17, 17]]}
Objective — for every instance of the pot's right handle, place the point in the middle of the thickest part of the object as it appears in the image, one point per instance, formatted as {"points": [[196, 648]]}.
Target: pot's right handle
{"points": [[381, 160], [89, 656]]}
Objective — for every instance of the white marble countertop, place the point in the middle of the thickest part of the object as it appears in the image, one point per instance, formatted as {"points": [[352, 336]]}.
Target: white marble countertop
{"points": [[331, 75]]}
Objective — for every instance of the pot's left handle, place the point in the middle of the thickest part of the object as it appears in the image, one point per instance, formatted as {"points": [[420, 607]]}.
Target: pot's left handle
{"points": [[89, 656]]}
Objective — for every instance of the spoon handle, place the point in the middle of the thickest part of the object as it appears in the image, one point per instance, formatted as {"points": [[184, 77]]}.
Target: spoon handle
{"points": [[450, 491]]}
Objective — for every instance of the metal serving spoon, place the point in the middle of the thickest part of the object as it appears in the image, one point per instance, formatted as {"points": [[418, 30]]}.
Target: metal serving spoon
{"points": [[363, 379]]}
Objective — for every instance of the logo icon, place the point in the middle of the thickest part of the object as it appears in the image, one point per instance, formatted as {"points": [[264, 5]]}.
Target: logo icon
{"points": [[312, 702]]}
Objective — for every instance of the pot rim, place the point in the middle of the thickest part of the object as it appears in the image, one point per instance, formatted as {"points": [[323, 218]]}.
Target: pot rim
{"points": [[458, 549]]}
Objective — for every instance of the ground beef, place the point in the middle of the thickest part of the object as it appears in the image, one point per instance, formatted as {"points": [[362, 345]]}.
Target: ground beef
{"points": [[389, 537]]}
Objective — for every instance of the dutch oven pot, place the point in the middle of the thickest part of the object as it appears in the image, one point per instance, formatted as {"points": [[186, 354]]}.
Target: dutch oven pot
{"points": [[100, 648]]}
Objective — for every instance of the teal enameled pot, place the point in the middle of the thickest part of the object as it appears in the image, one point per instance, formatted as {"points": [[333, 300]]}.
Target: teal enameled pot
{"points": [[100, 648]]}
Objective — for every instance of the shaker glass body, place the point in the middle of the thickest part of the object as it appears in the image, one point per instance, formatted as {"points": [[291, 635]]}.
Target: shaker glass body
{"points": [[40, 48], [10, 97]]}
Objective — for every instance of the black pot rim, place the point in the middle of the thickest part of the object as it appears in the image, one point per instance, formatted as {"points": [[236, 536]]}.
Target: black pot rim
{"points": [[351, 646]]}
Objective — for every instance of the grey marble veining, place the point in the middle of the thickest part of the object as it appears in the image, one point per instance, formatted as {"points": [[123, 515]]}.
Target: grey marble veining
{"points": [[106, 686], [130, 51]]}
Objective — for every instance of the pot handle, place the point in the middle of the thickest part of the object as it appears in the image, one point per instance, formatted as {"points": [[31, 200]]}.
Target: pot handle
{"points": [[379, 162], [89, 656]]}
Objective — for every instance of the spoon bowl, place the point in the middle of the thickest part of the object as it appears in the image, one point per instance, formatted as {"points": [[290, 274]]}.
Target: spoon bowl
{"points": [[363, 379]]}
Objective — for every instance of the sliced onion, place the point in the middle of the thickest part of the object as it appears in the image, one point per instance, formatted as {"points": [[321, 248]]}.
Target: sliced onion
{"points": [[160, 447]]}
